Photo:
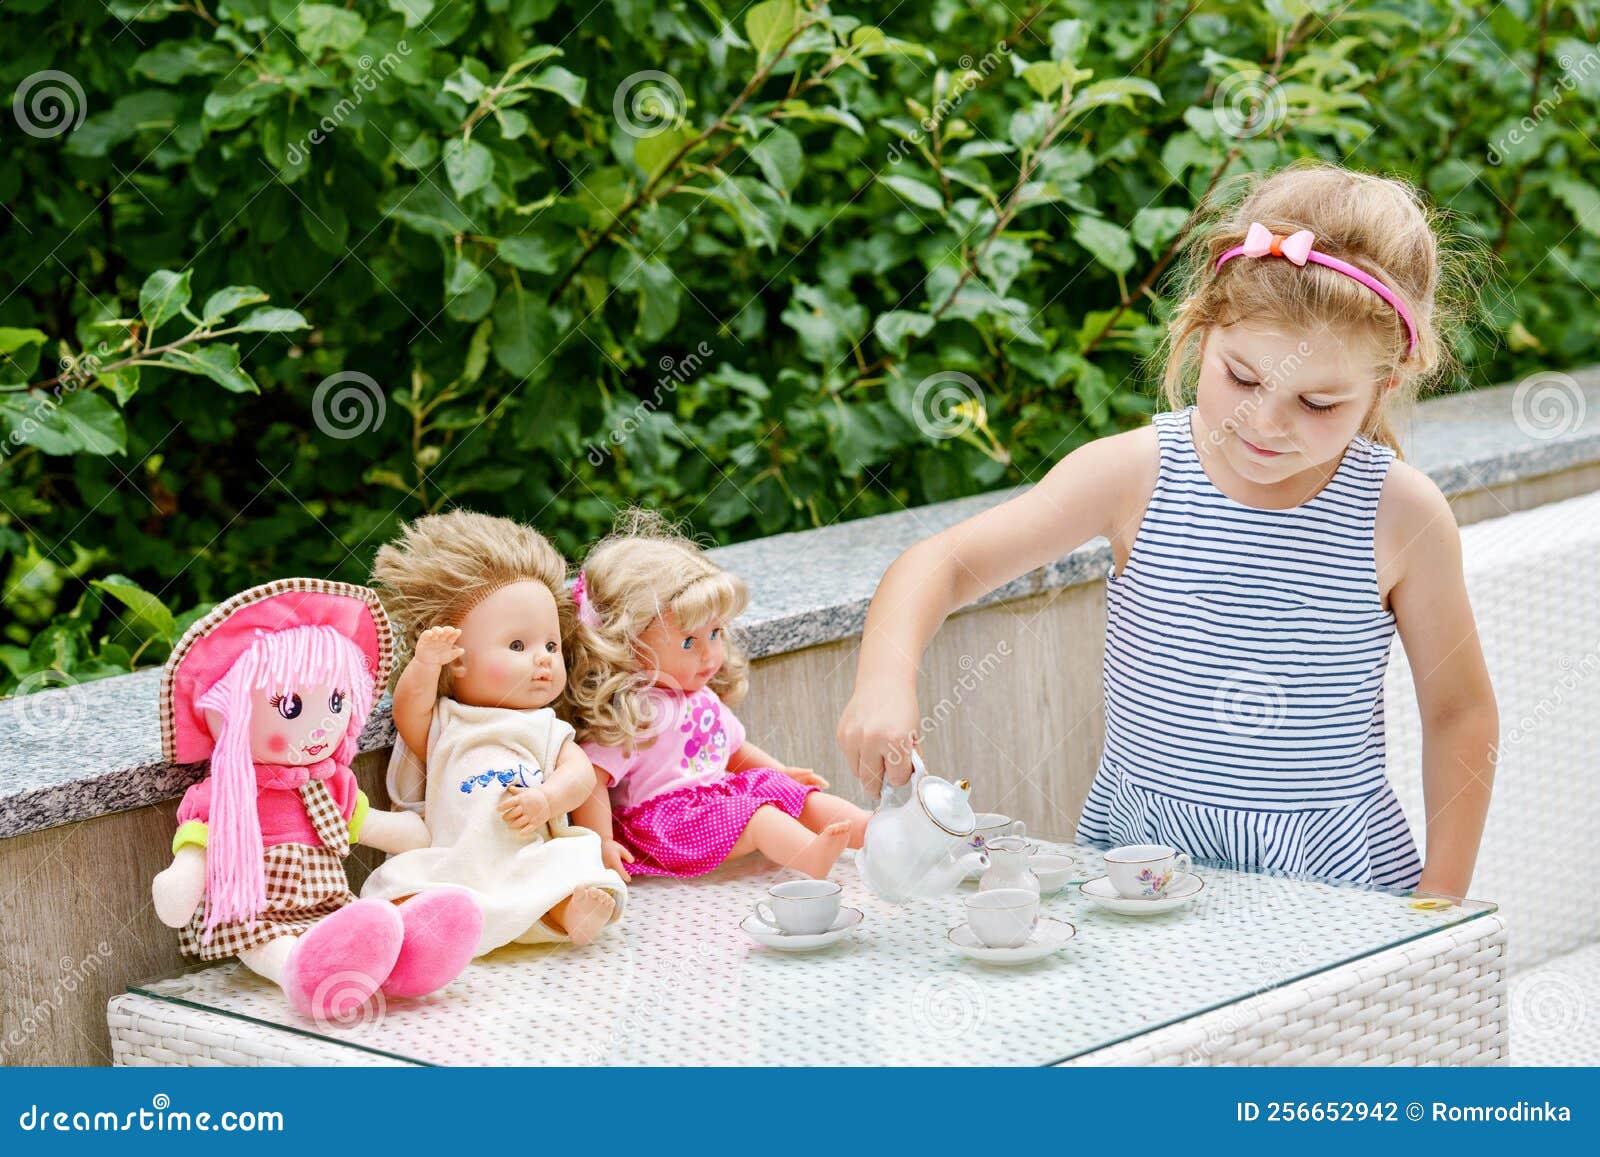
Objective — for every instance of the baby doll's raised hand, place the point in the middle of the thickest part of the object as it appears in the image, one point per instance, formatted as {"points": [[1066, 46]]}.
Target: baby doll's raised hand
{"points": [[614, 855], [525, 809], [437, 646], [804, 775]]}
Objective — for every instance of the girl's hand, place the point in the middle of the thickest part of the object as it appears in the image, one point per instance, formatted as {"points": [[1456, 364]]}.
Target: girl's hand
{"points": [[525, 809], [614, 854], [437, 646], [877, 733], [804, 775]]}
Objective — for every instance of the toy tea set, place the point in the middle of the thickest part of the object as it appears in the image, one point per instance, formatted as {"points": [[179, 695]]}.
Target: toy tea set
{"points": [[924, 841]]}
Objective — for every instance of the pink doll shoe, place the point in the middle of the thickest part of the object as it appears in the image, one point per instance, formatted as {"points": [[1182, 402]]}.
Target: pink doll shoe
{"points": [[442, 927], [337, 966]]}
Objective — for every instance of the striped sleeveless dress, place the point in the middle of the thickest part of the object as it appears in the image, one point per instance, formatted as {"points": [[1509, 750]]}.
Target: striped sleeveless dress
{"points": [[1244, 664]]}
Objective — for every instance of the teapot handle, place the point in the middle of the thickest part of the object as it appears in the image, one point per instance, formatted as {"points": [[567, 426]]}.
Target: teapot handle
{"points": [[895, 796]]}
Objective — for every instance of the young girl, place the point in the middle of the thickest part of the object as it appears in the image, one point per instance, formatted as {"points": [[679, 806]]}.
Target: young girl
{"points": [[1266, 546], [480, 602], [652, 674]]}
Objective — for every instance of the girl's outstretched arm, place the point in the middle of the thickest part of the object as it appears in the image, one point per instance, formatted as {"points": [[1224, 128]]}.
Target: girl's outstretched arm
{"points": [[1087, 493], [1460, 722]]}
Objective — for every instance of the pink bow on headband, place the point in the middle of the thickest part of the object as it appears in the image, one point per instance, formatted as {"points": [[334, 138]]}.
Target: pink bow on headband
{"points": [[1259, 241], [580, 595]]}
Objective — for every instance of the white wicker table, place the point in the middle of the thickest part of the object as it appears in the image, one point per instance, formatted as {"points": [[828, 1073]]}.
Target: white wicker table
{"points": [[1256, 970]]}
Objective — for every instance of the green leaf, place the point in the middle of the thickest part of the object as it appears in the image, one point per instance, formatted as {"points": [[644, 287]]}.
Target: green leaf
{"points": [[468, 290], [83, 423], [1122, 90], [176, 60], [426, 209], [225, 301], [1045, 77], [769, 25], [14, 339], [652, 153], [147, 616], [524, 333], [660, 293], [920, 195], [123, 383], [780, 158], [895, 328], [1153, 228], [273, 321], [828, 323], [218, 362], [327, 26], [416, 12], [1582, 201], [564, 84], [468, 164], [163, 296], [1110, 244], [529, 252]]}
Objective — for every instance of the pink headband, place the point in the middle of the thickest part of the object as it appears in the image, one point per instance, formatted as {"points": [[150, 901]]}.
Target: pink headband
{"points": [[1263, 242], [580, 595]]}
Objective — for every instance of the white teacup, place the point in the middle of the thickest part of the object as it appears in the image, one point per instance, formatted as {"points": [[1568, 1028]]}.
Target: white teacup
{"points": [[803, 907], [1145, 871], [994, 825], [1003, 917]]}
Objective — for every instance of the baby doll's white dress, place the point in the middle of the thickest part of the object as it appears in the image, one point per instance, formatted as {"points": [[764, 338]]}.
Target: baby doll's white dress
{"points": [[474, 753]]}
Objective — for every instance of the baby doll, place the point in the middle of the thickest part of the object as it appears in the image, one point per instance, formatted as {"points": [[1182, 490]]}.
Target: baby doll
{"points": [[652, 675], [480, 602], [273, 687]]}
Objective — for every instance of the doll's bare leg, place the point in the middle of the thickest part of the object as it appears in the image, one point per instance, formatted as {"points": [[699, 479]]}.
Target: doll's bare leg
{"points": [[583, 914], [784, 840], [822, 809], [268, 959]]}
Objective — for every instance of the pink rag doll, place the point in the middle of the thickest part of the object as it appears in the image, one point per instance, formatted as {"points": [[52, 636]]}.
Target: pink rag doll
{"points": [[652, 676], [480, 601], [273, 686]]}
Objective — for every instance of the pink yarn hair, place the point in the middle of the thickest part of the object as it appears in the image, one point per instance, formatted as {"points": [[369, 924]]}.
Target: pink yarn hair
{"points": [[280, 662]]}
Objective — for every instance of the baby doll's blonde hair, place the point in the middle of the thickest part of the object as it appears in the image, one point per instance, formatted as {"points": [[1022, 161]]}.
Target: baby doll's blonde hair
{"points": [[1378, 224], [443, 565], [643, 568]]}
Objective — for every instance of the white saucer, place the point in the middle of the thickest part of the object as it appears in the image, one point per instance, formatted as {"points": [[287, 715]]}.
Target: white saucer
{"points": [[763, 933], [1048, 935], [1185, 887]]}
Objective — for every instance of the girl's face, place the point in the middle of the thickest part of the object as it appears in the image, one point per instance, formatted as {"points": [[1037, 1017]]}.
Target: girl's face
{"points": [[296, 727], [512, 645], [1277, 406], [682, 660]]}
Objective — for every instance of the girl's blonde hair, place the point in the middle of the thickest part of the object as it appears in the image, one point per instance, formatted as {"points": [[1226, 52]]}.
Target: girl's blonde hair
{"points": [[644, 568], [1378, 224], [443, 565]]}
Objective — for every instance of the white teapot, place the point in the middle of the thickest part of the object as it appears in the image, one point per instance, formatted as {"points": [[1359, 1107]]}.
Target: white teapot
{"points": [[916, 842]]}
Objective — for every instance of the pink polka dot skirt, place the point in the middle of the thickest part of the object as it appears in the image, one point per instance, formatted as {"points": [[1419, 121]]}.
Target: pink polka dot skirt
{"points": [[689, 831]]}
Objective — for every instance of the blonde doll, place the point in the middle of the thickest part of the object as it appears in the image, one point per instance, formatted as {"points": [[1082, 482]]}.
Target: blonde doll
{"points": [[480, 602], [653, 674], [1267, 545]]}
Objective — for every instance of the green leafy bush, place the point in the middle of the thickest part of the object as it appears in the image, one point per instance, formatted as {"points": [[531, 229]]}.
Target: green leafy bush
{"points": [[280, 274]]}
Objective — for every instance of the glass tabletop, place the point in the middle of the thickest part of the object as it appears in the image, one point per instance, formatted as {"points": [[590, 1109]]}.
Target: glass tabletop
{"points": [[676, 980]]}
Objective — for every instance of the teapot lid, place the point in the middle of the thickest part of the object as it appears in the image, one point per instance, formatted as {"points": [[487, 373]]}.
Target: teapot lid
{"points": [[946, 805]]}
